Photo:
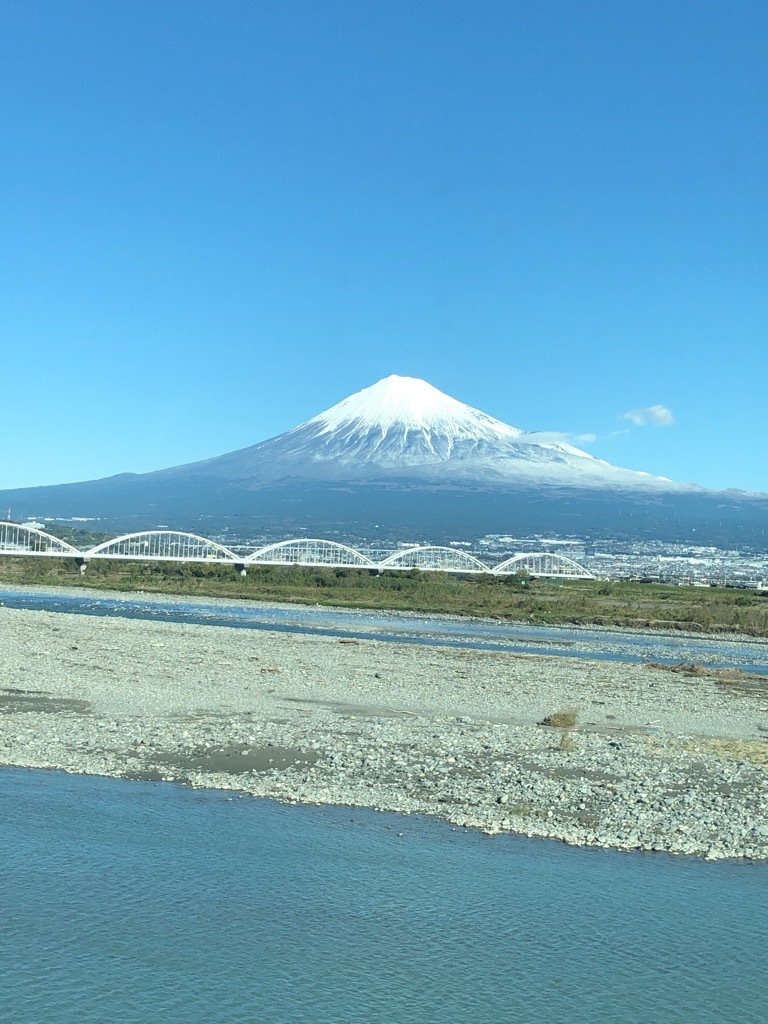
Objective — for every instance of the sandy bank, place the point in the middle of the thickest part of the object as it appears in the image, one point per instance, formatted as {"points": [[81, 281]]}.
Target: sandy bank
{"points": [[658, 761]]}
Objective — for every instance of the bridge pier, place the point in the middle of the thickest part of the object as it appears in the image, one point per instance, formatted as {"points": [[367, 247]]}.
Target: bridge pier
{"points": [[240, 566], [82, 563]]}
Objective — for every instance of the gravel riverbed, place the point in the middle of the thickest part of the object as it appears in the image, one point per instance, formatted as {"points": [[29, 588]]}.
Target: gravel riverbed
{"points": [[656, 761]]}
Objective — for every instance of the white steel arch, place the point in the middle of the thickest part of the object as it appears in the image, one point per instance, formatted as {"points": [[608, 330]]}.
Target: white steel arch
{"points": [[545, 563], [434, 559], [308, 551], [16, 539], [164, 545], [178, 546]]}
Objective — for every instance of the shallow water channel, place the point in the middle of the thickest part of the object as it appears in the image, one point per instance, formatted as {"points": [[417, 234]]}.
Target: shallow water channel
{"points": [[403, 627]]}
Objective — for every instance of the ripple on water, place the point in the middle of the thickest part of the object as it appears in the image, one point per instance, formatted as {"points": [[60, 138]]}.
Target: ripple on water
{"points": [[133, 901]]}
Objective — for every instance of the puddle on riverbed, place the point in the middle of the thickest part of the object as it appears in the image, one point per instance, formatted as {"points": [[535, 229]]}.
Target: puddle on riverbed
{"points": [[232, 759], [13, 701], [363, 710]]}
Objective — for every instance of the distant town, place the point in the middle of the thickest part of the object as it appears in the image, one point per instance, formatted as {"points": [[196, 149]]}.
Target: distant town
{"points": [[654, 561]]}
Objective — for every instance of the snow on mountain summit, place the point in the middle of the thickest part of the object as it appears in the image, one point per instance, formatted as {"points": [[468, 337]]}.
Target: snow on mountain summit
{"points": [[405, 404]]}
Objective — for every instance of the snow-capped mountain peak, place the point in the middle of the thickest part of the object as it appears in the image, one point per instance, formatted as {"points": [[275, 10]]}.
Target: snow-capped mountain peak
{"points": [[404, 429], [405, 404]]}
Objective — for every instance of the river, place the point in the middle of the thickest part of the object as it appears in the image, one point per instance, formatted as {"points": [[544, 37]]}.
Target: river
{"points": [[403, 627]]}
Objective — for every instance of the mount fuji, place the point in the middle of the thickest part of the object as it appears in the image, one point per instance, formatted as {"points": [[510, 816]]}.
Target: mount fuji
{"points": [[398, 460], [405, 429]]}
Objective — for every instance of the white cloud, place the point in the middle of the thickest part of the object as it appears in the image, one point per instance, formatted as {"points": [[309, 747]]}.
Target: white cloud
{"points": [[652, 415], [561, 437]]}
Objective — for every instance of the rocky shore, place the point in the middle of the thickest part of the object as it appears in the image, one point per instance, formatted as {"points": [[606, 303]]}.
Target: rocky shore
{"points": [[654, 761]]}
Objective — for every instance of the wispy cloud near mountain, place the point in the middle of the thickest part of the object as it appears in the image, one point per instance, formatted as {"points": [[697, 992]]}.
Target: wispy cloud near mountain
{"points": [[564, 437]]}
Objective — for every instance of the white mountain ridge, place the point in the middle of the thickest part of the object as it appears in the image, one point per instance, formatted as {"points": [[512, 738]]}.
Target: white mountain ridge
{"points": [[404, 428]]}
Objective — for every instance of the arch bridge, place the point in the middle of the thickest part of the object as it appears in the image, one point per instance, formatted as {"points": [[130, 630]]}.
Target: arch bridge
{"points": [[17, 539], [163, 546], [434, 559], [303, 551], [545, 564]]}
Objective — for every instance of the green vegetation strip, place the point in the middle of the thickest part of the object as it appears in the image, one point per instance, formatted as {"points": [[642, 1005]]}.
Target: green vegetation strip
{"points": [[514, 598]]}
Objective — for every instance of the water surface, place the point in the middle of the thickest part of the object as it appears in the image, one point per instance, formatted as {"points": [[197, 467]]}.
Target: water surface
{"points": [[133, 902]]}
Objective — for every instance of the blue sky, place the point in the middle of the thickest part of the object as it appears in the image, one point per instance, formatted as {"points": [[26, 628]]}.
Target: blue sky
{"points": [[219, 218]]}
